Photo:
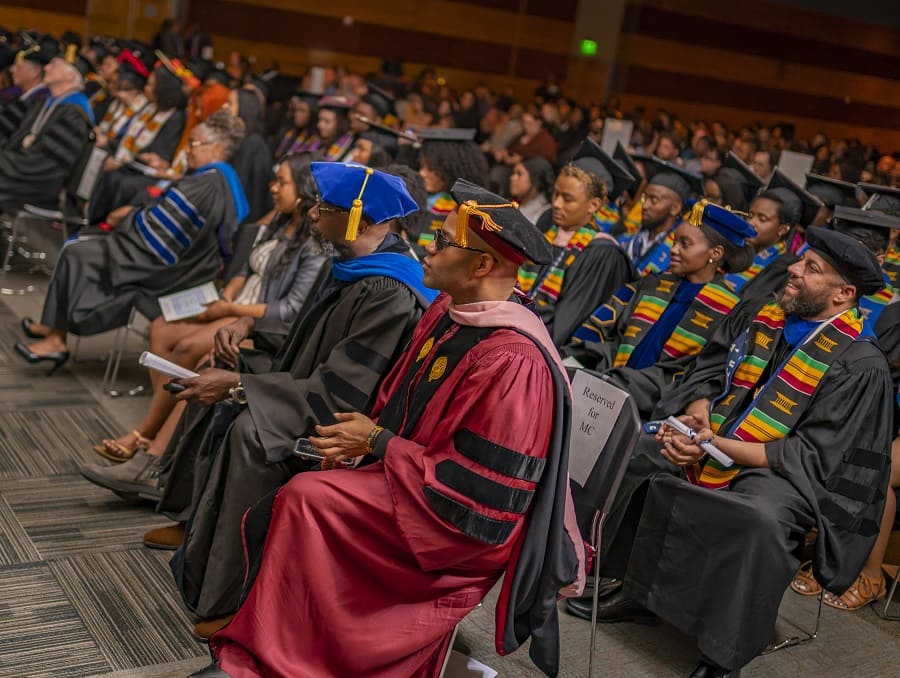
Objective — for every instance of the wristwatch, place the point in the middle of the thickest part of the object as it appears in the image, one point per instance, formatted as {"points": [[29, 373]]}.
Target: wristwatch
{"points": [[238, 395]]}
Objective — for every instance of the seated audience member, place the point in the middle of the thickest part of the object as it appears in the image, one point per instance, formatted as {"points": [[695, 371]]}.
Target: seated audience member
{"points": [[36, 159], [375, 148], [534, 140], [252, 160], [726, 189], [651, 330], [615, 177], [156, 130], [531, 185], [886, 199], [301, 133], [27, 73], [100, 85], [332, 361], [447, 155], [127, 100], [803, 206], [438, 514], [271, 288], [335, 139], [662, 205], [802, 405], [173, 244], [832, 192], [586, 267]]}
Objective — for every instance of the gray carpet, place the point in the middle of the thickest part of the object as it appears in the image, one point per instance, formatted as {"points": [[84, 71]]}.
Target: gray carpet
{"points": [[80, 595]]}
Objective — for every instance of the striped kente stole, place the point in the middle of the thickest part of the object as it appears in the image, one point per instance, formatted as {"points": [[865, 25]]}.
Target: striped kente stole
{"points": [[780, 403], [339, 148], [547, 290], [142, 129], [892, 265], [873, 304], [439, 206], [736, 281], [690, 335], [632, 220], [606, 217]]}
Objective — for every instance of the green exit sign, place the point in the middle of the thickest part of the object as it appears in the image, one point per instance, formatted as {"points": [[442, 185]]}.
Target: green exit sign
{"points": [[589, 47]]}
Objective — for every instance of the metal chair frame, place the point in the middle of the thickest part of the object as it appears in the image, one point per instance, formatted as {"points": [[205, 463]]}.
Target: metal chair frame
{"points": [[884, 614], [114, 359], [803, 637]]}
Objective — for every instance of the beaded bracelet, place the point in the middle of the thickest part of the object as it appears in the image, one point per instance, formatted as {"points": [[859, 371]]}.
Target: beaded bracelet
{"points": [[370, 439]]}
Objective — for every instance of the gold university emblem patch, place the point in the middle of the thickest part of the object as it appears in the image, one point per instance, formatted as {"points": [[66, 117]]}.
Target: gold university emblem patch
{"points": [[825, 344], [665, 286], [763, 340], [631, 332], [426, 349], [438, 369]]}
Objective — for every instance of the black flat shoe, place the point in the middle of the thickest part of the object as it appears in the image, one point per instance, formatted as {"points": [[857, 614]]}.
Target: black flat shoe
{"points": [[30, 333], [706, 670], [613, 609], [211, 671], [58, 358]]}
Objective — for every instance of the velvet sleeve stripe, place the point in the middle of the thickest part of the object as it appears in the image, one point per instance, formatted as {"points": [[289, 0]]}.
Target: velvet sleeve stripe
{"points": [[172, 227], [480, 527], [185, 207], [844, 520], [367, 357], [153, 243], [482, 490], [855, 491], [498, 458], [340, 388], [868, 459]]}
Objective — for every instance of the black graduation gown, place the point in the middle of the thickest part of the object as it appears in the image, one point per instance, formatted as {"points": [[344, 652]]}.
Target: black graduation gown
{"points": [[253, 163], [37, 174], [715, 564], [601, 269], [333, 361], [97, 280], [771, 279]]}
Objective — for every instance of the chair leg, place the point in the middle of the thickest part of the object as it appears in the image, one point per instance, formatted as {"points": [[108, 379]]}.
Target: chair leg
{"points": [[12, 226], [804, 636], [596, 538], [888, 599]]}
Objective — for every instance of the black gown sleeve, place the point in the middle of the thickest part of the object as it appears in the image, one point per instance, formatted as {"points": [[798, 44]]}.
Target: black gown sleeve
{"points": [[601, 269], [166, 141]]}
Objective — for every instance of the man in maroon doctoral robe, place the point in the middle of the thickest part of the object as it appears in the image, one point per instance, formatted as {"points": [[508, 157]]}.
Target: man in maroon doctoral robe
{"points": [[462, 479]]}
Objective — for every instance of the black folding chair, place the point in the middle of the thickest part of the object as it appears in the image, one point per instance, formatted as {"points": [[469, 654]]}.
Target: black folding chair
{"points": [[593, 500]]}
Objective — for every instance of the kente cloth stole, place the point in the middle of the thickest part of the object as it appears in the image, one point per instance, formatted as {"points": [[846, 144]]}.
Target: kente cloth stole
{"points": [[632, 220], [780, 403], [141, 132], [605, 316], [873, 304], [439, 206], [339, 147], [606, 217], [736, 281], [550, 285], [892, 265], [690, 335]]}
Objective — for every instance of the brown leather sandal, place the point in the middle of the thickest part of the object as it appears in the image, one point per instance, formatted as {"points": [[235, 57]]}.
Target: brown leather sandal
{"points": [[861, 592], [117, 452], [804, 582]]}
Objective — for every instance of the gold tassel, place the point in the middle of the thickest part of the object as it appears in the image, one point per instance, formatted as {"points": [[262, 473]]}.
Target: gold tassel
{"points": [[471, 208], [71, 51], [356, 210], [696, 216]]}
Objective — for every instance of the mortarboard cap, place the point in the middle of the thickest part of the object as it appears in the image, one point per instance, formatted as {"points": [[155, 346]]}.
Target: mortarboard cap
{"points": [[446, 134], [730, 225], [750, 183], [850, 258], [881, 198], [802, 205], [310, 98], [593, 159], [179, 70], [337, 103], [34, 54], [72, 57], [832, 192], [133, 68], [380, 100], [260, 84], [218, 73], [386, 141], [621, 154], [672, 176], [363, 191], [499, 223], [853, 217]]}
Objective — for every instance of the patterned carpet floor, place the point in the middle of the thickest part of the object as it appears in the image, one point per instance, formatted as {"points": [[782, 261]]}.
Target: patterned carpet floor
{"points": [[80, 595]]}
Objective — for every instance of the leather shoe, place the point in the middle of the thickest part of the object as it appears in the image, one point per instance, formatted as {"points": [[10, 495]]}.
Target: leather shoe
{"points": [[615, 608], [211, 671], [136, 478], [167, 538], [203, 630], [706, 670]]}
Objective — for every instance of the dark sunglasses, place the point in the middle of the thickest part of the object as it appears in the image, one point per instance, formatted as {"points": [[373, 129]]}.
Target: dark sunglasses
{"points": [[441, 242]]}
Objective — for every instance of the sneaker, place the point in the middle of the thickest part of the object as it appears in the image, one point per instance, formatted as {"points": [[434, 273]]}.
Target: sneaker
{"points": [[137, 477]]}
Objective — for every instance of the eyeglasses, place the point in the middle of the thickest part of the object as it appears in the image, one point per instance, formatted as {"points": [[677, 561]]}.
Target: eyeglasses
{"points": [[195, 144], [325, 208], [441, 241]]}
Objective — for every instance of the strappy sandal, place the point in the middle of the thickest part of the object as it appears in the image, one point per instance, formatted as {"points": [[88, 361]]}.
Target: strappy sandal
{"points": [[804, 582], [861, 592], [117, 452]]}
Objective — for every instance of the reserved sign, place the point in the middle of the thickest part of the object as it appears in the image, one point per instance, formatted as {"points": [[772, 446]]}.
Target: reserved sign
{"points": [[596, 406]]}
